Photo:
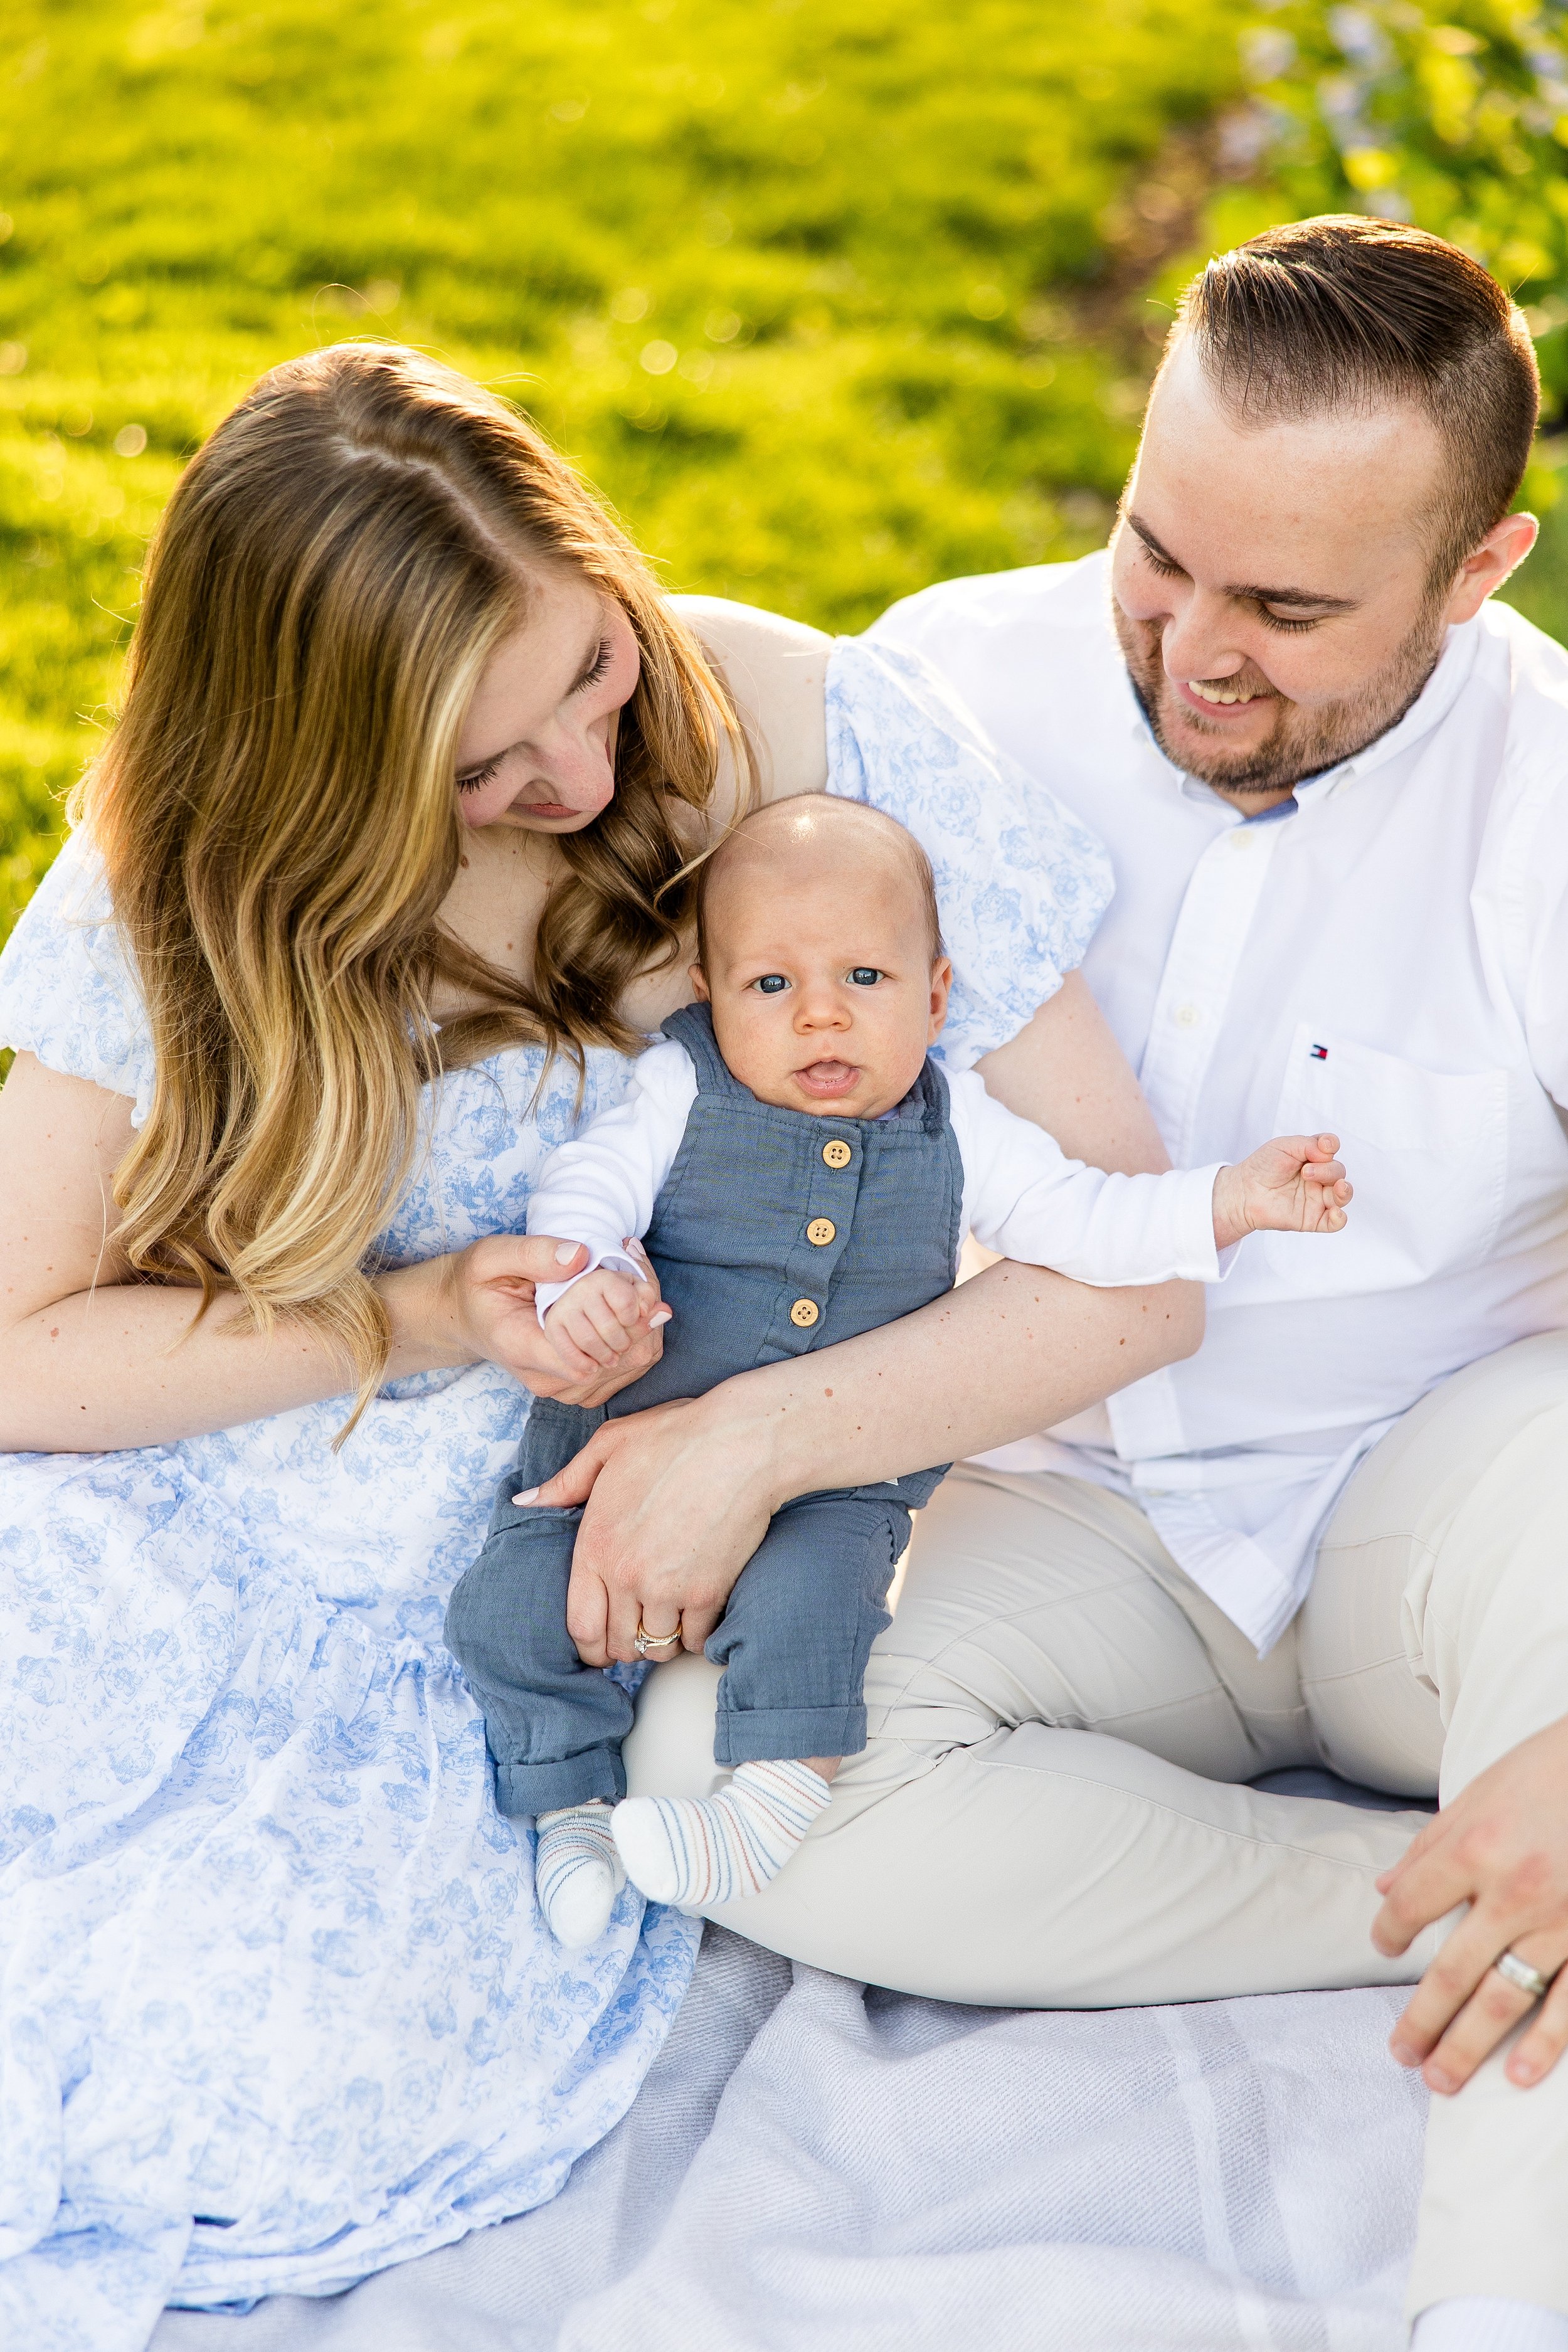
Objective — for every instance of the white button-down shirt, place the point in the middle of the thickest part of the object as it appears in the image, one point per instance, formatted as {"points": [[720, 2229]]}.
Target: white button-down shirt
{"points": [[1385, 957]]}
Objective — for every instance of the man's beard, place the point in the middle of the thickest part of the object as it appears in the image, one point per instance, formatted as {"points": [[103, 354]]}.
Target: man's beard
{"points": [[1301, 744]]}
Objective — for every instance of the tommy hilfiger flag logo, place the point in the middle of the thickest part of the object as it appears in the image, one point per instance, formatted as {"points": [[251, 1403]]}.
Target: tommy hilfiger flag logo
{"points": [[1320, 1053]]}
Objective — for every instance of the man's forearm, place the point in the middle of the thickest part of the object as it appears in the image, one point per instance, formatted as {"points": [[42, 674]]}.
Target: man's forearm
{"points": [[1012, 1352]]}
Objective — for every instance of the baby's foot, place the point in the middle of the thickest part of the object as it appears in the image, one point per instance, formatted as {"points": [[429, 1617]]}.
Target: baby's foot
{"points": [[695, 1851], [577, 1873]]}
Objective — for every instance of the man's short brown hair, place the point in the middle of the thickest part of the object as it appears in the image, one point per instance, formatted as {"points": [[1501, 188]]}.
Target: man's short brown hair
{"points": [[1344, 311]]}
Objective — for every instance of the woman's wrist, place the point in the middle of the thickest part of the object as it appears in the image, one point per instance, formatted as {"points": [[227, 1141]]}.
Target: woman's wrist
{"points": [[425, 1309], [763, 1419]]}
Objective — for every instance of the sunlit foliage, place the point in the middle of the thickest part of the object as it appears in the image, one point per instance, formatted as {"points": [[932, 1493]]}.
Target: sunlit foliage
{"points": [[831, 300]]}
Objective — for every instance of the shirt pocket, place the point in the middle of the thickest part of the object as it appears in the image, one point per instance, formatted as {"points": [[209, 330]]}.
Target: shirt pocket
{"points": [[1425, 1150]]}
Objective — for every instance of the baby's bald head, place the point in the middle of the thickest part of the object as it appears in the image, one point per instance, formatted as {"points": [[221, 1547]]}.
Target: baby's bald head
{"points": [[797, 845], [821, 959]]}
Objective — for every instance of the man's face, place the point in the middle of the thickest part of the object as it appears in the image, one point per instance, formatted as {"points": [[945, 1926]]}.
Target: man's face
{"points": [[1272, 585]]}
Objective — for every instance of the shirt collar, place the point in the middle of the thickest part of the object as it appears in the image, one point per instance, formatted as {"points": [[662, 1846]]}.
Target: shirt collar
{"points": [[1430, 708]]}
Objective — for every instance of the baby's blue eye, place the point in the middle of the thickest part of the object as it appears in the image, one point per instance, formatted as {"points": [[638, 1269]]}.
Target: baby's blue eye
{"points": [[865, 975], [771, 983]]}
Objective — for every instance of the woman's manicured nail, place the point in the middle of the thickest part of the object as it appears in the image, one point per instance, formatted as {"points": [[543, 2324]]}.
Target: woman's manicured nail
{"points": [[565, 1251], [660, 1314], [1438, 2080], [531, 1497], [1399, 2052], [1522, 2071]]}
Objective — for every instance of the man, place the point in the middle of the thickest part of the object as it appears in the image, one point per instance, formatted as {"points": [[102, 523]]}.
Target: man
{"points": [[1331, 777], [1334, 782]]}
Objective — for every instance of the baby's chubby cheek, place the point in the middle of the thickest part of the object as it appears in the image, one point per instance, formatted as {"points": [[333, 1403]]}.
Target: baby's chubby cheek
{"points": [[753, 1050]]}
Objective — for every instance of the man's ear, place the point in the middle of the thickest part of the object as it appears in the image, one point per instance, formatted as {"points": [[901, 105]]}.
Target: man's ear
{"points": [[1502, 550], [699, 979]]}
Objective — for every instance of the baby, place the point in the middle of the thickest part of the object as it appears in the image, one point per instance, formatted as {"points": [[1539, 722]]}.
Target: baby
{"points": [[800, 1171]]}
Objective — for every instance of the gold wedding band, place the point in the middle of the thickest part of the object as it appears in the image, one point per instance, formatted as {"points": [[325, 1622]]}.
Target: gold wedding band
{"points": [[643, 1641]]}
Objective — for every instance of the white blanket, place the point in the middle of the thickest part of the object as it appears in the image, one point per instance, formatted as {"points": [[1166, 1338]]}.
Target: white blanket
{"points": [[812, 2167]]}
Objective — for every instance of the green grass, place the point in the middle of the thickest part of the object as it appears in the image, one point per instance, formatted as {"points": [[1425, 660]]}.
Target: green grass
{"points": [[830, 301]]}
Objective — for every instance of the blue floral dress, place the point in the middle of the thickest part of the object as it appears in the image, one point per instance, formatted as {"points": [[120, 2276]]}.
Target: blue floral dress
{"points": [[277, 2006]]}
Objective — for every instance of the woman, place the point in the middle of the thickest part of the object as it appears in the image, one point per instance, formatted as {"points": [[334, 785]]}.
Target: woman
{"points": [[382, 879]]}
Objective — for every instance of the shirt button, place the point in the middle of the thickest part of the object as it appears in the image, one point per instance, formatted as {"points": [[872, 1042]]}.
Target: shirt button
{"points": [[1241, 837], [837, 1154], [821, 1231], [1188, 1016], [804, 1313]]}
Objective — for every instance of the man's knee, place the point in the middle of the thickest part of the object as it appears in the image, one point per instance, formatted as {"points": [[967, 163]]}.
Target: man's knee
{"points": [[669, 1751]]}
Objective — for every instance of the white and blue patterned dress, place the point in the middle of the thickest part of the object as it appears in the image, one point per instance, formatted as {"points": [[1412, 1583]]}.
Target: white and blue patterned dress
{"points": [[277, 2003]]}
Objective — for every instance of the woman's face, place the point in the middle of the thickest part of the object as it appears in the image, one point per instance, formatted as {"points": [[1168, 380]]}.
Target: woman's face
{"points": [[537, 748]]}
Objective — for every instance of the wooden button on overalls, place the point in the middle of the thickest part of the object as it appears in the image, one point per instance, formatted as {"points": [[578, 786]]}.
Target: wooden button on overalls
{"points": [[837, 1154], [820, 1232], [804, 1312]]}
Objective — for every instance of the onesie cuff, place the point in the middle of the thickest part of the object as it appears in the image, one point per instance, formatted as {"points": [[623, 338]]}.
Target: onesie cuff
{"points": [[1197, 1257], [614, 1255]]}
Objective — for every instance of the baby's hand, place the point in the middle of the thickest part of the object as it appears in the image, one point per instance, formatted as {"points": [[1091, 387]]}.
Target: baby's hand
{"points": [[595, 1322], [1293, 1185]]}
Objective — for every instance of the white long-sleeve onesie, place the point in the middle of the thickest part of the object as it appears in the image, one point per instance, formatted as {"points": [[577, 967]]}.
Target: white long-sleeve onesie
{"points": [[1023, 1197]]}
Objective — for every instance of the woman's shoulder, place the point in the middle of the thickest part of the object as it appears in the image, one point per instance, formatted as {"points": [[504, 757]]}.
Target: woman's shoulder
{"points": [[66, 990], [1021, 881], [776, 669]]}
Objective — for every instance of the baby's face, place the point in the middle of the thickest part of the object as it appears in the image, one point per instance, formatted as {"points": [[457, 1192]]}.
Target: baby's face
{"points": [[820, 974]]}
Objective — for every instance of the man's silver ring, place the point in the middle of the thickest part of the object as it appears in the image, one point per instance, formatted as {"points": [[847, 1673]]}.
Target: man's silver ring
{"points": [[1522, 1977], [643, 1641]]}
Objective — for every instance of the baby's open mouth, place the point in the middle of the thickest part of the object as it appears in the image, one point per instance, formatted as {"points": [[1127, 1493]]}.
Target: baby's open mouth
{"points": [[825, 1078]]}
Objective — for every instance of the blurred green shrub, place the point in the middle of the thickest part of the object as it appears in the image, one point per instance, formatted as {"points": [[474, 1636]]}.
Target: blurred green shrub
{"points": [[830, 301], [1454, 116]]}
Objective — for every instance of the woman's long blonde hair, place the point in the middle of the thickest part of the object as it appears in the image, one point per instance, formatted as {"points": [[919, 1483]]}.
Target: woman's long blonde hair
{"points": [[277, 815]]}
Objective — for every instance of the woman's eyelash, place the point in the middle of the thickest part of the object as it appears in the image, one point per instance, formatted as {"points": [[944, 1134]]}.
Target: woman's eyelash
{"points": [[601, 663], [478, 778]]}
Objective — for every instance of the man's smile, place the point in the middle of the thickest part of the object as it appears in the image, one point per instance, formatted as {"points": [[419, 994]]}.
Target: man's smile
{"points": [[1220, 698]]}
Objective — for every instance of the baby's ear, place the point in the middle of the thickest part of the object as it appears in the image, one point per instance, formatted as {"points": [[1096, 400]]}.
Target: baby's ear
{"points": [[699, 979], [941, 987]]}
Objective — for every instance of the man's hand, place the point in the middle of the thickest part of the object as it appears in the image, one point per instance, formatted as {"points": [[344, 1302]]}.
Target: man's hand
{"points": [[1293, 1185], [602, 1315], [1502, 1847]]}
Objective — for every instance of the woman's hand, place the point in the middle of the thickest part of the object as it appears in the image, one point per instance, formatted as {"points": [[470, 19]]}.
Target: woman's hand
{"points": [[670, 1519], [486, 1298], [1502, 1847], [675, 1500]]}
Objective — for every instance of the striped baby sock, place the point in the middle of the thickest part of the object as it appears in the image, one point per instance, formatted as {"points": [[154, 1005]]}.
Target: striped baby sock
{"points": [[697, 1851], [576, 1871]]}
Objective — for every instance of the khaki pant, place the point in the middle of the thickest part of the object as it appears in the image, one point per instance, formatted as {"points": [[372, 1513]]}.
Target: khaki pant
{"points": [[1050, 1814]]}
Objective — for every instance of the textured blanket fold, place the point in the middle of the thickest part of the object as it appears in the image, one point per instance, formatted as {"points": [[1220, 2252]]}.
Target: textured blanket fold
{"points": [[811, 2168]]}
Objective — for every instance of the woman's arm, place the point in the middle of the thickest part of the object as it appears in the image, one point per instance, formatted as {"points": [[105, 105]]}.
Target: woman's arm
{"points": [[92, 1360], [776, 670], [1065, 1071], [677, 1499]]}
